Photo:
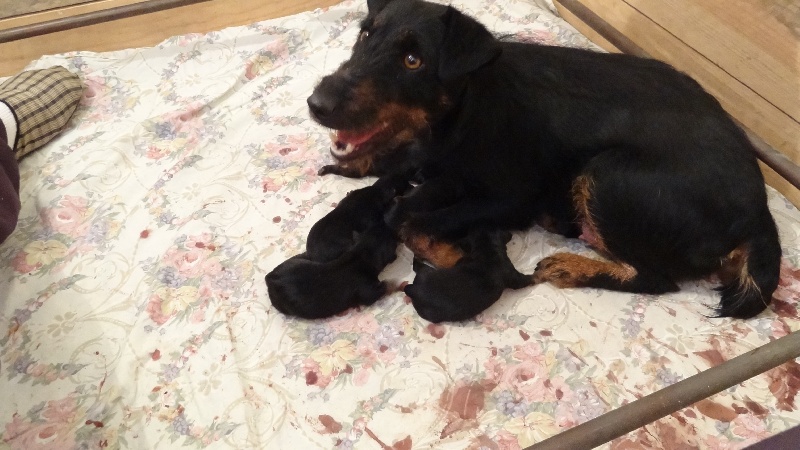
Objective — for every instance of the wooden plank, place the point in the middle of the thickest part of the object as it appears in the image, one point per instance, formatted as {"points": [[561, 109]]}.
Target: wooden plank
{"points": [[10, 8], [741, 38], [150, 29], [585, 29], [60, 13], [775, 160], [760, 116], [92, 18], [781, 185]]}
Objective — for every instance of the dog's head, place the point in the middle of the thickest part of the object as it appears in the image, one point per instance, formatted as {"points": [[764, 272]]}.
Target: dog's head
{"points": [[405, 72]]}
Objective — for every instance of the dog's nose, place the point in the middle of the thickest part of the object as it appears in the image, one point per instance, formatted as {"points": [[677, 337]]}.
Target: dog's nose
{"points": [[321, 105]]}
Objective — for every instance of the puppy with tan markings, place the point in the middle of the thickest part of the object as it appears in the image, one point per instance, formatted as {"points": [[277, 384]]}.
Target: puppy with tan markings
{"points": [[470, 286]]}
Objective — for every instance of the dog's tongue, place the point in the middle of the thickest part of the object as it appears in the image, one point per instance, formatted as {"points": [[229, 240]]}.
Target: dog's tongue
{"points": [[355, 137]]}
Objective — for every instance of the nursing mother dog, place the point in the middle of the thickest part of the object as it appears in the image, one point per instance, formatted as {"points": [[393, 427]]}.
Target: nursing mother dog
{"points": [[626, 153]]}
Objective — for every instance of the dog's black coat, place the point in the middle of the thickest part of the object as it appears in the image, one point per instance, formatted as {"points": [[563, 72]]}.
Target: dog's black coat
{"points": [[472, 285], [431, 194], [672, 187], [312, 290]]}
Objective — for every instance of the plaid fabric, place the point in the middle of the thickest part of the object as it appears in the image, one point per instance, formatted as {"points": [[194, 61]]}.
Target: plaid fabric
{"points": [[42, 101]]}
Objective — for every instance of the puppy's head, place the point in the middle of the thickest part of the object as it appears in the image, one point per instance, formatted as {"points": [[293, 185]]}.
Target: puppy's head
{"points": [[404, 74], [292, 287]]}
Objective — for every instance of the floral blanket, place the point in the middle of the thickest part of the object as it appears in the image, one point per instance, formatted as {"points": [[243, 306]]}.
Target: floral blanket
{"points": [[134, 312]]}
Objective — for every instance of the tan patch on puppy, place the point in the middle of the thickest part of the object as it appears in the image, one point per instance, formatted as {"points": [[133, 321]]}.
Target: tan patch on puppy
{"points": [[439, 253]]}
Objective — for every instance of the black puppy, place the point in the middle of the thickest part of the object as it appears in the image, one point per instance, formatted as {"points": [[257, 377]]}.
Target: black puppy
{"points": [[312, 289], [625, 152], [473, 284], [341, 228]]}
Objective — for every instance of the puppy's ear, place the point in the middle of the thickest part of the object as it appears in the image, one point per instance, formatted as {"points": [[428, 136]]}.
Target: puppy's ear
{"points": [[375, 6], [467, 45]]}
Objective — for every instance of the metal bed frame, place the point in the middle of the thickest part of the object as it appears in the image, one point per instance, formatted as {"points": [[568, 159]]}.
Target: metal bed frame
{"points": [[628, 417]]}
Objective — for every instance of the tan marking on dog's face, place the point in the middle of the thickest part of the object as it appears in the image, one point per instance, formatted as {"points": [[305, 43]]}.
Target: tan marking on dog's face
{"points": [[441, 254], [403, 137], [400, 118], [566, 270], [364, 97], [396, 117]]}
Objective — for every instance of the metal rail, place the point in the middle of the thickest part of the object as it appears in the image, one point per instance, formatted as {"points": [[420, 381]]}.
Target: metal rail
{"points": [[91, 18], [647, 409]]}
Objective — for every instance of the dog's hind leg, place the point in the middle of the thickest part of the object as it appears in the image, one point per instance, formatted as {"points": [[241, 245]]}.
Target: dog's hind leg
{"points": [[659, 221], [567, 270]]}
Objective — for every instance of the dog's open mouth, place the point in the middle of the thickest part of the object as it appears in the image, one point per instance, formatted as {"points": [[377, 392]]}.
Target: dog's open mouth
{"points": [[349, 144]]}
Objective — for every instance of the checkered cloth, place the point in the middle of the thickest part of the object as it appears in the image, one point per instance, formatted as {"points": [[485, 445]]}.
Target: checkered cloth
{"points": [[42, 102]]}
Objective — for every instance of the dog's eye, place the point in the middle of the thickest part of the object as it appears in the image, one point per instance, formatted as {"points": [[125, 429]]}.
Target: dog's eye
{"points": [[364, 34], [412, 62]]}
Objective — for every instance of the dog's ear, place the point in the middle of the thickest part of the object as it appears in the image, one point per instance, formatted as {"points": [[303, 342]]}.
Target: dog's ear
{"points": [[375, 6], [467, 45]]}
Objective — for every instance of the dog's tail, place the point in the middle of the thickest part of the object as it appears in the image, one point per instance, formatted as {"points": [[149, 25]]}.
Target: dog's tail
{"points": [[757, 270]]}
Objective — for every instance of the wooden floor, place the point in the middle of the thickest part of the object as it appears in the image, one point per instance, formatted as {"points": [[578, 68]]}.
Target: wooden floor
{"points": [[141, 31], [746, 52], [10, 8]]}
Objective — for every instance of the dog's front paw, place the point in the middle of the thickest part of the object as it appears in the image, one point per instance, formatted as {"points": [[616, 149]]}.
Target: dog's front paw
{"points": [[330, 169]]}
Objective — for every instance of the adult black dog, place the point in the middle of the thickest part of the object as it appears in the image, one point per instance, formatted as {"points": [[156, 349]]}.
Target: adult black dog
{"points": [[628, 153]]}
